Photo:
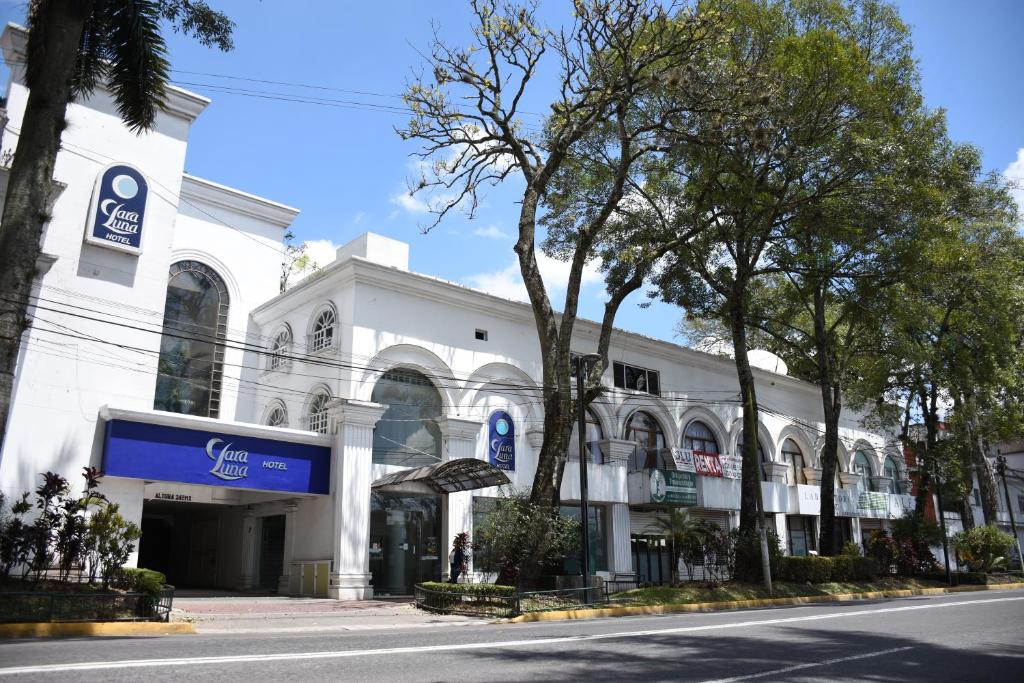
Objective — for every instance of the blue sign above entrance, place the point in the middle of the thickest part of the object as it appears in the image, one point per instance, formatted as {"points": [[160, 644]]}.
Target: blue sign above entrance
{"points": [[502, 441], [118, 209], [161, 453]]}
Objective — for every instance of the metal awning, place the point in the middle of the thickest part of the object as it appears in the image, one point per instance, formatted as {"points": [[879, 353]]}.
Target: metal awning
{"points": [[464, 474]]}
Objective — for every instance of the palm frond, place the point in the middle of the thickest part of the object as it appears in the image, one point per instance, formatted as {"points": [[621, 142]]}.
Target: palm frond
{"points": [[93, 50], [138, 69]]}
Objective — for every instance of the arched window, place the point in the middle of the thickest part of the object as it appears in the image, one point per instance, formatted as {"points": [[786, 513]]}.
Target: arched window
{"points": [[698, 437], [407, 433], [279, 349], [862, 466], [893, 472], [794, 459], [316, 411], [277, 416], [649, 452], [191, 362], [761, 457], [322, 336], [594, 436]]}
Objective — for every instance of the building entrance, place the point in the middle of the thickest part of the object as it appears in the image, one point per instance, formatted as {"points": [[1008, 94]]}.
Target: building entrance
{"points": [[405, 542], [189, 542]]}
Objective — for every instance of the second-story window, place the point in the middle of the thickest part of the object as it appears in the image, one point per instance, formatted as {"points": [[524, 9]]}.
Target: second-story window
{"points": [[322, 336], [637, 379], [279, 350]]}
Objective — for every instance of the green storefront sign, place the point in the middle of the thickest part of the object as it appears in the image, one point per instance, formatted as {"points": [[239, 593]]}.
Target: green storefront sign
{"points": [[674, 488]]}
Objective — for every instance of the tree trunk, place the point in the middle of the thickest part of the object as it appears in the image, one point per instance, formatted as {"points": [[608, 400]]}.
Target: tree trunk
{"points": [[831, 404], [926, 461], [750, 481], [980, 464], [53, 53]]}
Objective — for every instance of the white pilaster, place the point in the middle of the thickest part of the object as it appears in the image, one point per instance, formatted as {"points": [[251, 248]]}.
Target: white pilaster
{"points": [[813, 475], [882, 484], [618, 451], [284, 582], [250, 528], [459, 441], [776, 471], [129, 494], [622, 556], [351, 423]]}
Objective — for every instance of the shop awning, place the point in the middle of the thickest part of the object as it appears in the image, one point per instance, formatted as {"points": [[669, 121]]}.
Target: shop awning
{"points": [[464, 474]]}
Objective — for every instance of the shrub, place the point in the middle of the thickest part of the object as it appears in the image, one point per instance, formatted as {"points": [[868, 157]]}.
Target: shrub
{"points": [[474, 589], [138, 580], [746, 555], [850, 549], [983, 548], [850, 568], [811, 569], [519, 539]]}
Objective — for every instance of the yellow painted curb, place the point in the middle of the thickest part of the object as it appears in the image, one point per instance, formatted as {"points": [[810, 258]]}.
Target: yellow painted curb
{"points": [[625, 611], [95, 628]]}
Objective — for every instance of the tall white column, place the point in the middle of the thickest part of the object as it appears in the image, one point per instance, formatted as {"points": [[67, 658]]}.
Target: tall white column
{"points": [[129, 494], [459, 440], [351, 423], [250, 528], [284, 581], [622, 555]]}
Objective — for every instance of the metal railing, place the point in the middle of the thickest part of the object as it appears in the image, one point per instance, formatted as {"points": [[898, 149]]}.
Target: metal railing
{"points": [[468, 602], [479, 603], [44, 607]]}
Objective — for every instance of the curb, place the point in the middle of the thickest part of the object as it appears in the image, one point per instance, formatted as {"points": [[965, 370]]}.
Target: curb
{"points": [[626, 611], [94, 628]]}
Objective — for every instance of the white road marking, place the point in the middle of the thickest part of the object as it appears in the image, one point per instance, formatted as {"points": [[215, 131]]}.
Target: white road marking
{"points": [[810, 665], [533, 642]]}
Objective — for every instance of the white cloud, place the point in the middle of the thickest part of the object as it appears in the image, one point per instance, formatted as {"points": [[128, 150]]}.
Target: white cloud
{"points": [[1014, 173], [410, 203], [359, 217], [508, 282], [492, 231]]}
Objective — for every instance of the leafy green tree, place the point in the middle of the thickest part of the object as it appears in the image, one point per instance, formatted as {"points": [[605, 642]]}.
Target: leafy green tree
{"points": [[824, 87], [579, 162], [73, 47]]}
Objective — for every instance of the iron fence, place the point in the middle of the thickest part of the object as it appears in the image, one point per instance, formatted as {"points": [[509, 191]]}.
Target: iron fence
{"points": [[43, 607], [468, 602]]}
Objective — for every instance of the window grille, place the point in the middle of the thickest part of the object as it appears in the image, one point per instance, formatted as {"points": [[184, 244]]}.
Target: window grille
{"points": [[323, 331]]}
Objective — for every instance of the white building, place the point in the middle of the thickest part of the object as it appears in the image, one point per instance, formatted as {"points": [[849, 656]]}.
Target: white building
{"points": [[245, 429]]}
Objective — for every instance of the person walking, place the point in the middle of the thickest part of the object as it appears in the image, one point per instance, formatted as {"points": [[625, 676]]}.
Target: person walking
{"points": [[457, 557]]}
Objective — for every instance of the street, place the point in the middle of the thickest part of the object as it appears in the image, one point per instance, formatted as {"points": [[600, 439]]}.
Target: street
{"points": [[964, 637]]}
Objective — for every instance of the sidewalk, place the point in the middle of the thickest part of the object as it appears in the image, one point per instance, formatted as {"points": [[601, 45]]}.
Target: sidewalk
{"points": [[244, 614]]}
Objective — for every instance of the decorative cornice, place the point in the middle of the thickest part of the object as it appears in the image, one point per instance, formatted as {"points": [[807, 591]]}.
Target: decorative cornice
{"points": [[347, 411], [459, 428], [223, 197]]}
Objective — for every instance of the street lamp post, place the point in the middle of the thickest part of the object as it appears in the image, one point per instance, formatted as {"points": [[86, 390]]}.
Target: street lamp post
{"points": [[583, 364]]}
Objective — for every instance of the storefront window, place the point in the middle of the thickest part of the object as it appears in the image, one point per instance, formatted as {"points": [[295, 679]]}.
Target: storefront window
{"points": [[802, 538], [595, 435], [191, 360], [645, 431], [794, 459], [407, 433], [699, 437], [597, 518]]}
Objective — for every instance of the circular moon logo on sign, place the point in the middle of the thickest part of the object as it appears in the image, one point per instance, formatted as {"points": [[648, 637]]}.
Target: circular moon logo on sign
{"points": [[124, 186], [501, 426]]}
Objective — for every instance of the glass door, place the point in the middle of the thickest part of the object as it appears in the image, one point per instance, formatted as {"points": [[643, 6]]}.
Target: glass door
{"points": [[405, 542]]}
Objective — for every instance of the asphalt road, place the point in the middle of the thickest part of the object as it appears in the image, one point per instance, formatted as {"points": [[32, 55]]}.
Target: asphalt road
{"points": [[964, 637]]}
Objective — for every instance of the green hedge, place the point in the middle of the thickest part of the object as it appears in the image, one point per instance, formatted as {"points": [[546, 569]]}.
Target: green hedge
{"points": [[472, 589], [813, 569], [959, 578], [140, 580]]}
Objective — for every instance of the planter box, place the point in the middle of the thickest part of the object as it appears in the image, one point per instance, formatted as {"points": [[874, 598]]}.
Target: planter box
{"points": [[41, 606]]}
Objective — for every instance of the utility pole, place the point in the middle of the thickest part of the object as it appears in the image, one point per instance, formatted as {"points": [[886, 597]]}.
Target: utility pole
{"points": [[582, 369], [1001, 469]]}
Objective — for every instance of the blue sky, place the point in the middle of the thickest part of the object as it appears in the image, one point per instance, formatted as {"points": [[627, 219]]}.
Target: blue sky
{"points": [[346, 169]]}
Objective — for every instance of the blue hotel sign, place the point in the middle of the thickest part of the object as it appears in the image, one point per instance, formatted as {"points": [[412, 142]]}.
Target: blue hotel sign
{"points": [[161, 453], [118, 209], [501, 437]]}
